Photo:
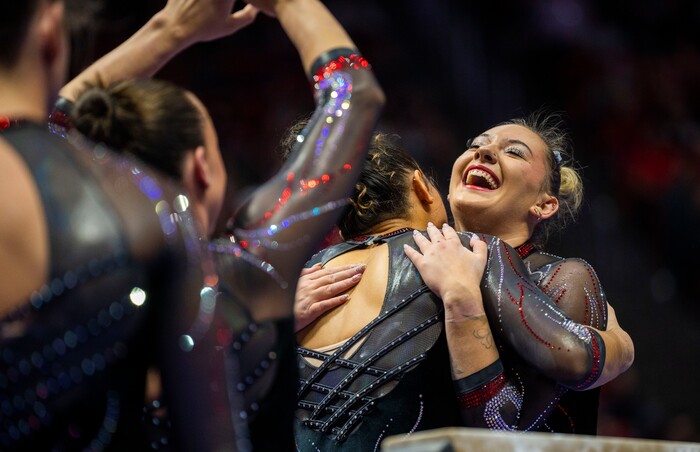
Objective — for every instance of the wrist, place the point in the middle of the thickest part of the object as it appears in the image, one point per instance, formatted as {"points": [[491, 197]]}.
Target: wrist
{"points": [[173, 35], [282, 6], [464, 318], [460, 306]]}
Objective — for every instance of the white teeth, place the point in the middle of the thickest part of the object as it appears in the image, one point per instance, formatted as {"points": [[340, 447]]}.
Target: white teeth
{"points": [[484, 175]]}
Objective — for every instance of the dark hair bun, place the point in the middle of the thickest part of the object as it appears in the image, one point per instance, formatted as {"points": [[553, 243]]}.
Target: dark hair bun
{"points": [[94, 114]]}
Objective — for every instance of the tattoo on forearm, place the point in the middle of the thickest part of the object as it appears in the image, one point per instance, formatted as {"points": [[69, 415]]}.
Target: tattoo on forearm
{"points": [[483, 334], [485, 337]]}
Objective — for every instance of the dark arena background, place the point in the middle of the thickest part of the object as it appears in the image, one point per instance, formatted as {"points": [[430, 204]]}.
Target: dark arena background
{"points": [[626, 75]]}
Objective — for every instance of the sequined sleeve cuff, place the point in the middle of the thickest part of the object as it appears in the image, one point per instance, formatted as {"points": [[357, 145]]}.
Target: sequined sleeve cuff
{"points": [[327, 57], [331, 77], [481, 386], [60, 116], [598, 351]]}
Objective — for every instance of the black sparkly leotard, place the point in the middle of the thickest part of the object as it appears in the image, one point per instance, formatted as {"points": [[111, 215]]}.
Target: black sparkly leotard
{"points": [[393, 376], [397, 381], [124, 293]]}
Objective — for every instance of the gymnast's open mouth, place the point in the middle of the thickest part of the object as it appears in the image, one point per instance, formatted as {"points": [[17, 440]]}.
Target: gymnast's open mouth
{"points": [[481, 177]]}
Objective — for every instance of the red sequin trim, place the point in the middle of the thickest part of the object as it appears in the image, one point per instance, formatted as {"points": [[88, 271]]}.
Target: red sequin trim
{"points": [[551, 278], [519, 303], [525, 249], [512, 265], [568, 418], [362, 238], [594, 279], [6, 122], [353, 61], [60, 118], [482, 395], [560, 296]]}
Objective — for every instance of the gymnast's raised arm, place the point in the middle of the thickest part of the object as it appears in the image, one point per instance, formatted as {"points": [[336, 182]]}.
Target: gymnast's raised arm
{"points": [[285, 219]]}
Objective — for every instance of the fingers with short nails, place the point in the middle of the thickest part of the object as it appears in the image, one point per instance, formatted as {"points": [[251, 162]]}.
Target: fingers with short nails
{"points": [[321, 289]]}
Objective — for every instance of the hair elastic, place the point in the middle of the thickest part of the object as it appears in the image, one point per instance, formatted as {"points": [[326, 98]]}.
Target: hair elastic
{"points": [[557, 157]]}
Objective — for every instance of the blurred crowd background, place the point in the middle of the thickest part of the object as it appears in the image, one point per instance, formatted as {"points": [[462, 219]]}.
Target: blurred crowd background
{"points": [[626, 76]]}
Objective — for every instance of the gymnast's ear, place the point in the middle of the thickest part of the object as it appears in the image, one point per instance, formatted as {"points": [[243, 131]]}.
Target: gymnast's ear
{"points": [[422, 188], [202, 172], [51, 33], [196, 176], [545, 207]]}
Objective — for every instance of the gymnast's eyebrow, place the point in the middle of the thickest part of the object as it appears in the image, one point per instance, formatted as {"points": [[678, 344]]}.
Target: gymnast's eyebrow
{"points": [[520, 143], [509, 141]]}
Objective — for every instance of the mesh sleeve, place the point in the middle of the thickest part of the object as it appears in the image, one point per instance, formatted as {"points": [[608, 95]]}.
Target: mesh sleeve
{"points": [[528, 319], [574, 286]]}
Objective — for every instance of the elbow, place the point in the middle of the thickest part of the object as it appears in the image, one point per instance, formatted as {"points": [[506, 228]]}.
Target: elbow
{"points": [[627, 353], [579, 366], [630, 361], [368, 94], [619, 355], [378, 97], [373, 98]]}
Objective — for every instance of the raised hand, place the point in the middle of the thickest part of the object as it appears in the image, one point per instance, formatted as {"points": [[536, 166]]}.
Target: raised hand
{"points": [[266, 6], [310, 26], [180, 24], [321, 289], [206, 20]]}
